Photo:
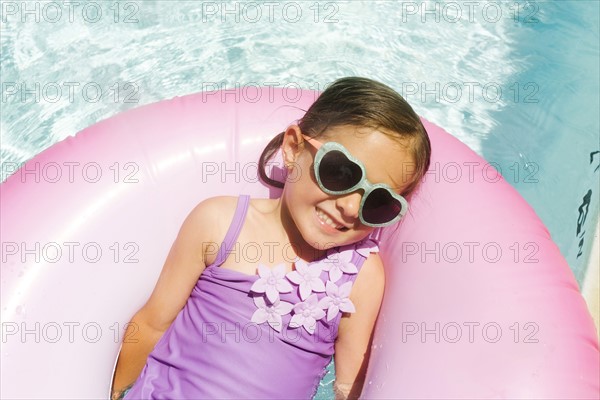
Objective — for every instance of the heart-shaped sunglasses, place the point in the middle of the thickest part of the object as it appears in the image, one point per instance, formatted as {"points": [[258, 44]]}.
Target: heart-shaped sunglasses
{"points": [[338, 173]]}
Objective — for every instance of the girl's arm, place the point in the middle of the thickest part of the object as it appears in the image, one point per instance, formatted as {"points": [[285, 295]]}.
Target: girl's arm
{"points": [[353, 344], [180, 273]]}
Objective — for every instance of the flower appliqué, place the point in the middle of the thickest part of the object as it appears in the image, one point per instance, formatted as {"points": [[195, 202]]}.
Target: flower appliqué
{"points": [[337, 299], [338, 263], [271, 313], [272, 282], [307, 277], [306, 314], [366, 246]]}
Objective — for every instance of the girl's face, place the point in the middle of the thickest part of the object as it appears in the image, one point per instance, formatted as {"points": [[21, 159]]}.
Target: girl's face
{"points": [[318, 215]]}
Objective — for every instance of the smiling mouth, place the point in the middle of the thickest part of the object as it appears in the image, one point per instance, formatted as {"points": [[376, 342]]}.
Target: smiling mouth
{"points": [[326, 220]]}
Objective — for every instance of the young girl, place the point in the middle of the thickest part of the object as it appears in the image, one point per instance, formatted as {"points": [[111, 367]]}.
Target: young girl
{"points": [[220, 326]]}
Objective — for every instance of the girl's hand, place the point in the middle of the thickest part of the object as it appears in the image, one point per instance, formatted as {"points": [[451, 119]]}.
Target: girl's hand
{"points": [[341, 391], [118, 394]]}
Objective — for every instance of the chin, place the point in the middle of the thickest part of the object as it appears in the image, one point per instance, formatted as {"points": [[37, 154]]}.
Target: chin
{"points": [[320, 241]]}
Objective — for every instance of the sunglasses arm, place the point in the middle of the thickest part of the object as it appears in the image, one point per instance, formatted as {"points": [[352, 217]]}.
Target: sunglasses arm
{"points": [[316, 144]]}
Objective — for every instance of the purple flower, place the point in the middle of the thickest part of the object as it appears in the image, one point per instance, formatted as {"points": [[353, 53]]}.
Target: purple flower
{"points": [[272, 282], [339, 262], [308, 277], [270, 313], [337, 299], [307, 313]]}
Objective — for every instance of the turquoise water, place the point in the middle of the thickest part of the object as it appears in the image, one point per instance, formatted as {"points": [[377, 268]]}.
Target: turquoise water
{"points": [[516, 81]]}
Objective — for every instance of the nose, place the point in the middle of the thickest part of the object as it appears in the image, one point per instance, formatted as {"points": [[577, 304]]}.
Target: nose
{"points": [[349, 204]]}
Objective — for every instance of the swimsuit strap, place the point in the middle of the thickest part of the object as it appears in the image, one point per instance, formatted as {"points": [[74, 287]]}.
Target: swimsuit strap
{"points": [[376, 234], [234, 229]]}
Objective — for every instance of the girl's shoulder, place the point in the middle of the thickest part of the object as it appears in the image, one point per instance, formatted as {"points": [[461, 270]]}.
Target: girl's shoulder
{"points": [[219, 204], [216, 212], [225, 206], [214, 209], [212, 217], [222, 208]]}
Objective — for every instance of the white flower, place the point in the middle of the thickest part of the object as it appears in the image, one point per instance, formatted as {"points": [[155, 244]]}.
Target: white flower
{"points": [[272, 282], [337, 299], [339, 262], [270, 313], [308, 277], [306, 314]]}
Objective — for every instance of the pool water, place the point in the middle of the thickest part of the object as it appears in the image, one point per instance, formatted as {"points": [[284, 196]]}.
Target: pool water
{"points": [[516, 81]]}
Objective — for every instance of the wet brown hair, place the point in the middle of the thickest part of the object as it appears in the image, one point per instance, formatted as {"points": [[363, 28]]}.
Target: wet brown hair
{"points": [[362, 102]]}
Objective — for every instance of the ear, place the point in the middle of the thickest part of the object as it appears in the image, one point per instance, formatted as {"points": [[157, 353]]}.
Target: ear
{"points": [[292, 145]]}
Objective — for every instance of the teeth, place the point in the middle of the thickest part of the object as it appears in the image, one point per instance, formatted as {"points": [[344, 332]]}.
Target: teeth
{"points": [[323, 217]]}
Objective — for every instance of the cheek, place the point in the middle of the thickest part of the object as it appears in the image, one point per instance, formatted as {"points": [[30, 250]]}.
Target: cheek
{"points": [[298, 193], [302, 183], [303, 173]]}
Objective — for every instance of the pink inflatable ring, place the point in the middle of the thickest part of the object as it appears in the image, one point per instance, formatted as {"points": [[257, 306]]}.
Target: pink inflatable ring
{"points": [[479, 303]]}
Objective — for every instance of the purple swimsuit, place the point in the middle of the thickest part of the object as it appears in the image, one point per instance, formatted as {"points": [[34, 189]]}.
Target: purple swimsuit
{"points": [[267, 336]]}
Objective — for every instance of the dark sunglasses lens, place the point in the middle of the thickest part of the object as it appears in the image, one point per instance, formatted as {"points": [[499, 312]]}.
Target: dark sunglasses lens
{"points": [[380, 207], [337, 173]]}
